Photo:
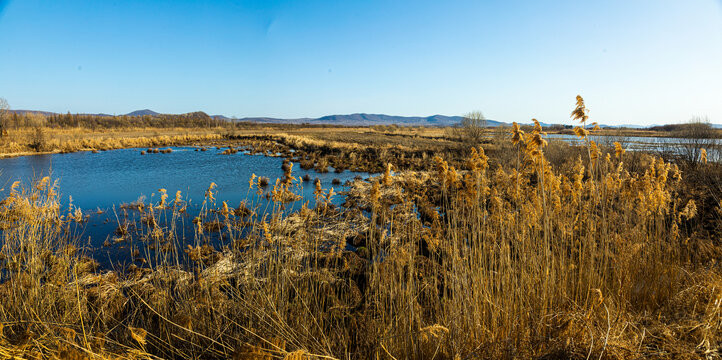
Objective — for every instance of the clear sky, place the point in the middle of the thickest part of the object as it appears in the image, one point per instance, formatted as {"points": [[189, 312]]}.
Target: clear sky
{"points": [[634, 61]]}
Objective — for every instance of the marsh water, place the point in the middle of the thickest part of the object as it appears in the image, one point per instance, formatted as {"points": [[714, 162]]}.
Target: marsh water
{"points": [[99, 183], [668, 145]]}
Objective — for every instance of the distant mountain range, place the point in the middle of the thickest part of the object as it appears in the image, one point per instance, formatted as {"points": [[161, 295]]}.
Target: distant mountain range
{"points": [[358, 119], [361, 119]]}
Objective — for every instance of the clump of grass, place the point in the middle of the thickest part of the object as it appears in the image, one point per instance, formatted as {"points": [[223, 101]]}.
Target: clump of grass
{"points": [[242, 210], [263, 181], [231, 150], [321, 166]]}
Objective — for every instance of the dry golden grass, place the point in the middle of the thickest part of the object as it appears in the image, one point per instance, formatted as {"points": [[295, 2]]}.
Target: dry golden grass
{"points": [[597, 256], [18, 141]]}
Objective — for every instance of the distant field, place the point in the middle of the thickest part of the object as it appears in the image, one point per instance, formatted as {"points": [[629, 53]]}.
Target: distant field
{"points": [[21, 141]]}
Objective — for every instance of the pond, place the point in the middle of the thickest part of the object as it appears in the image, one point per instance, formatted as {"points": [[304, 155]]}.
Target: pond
{"points": [[100, 182], [668, 145]]}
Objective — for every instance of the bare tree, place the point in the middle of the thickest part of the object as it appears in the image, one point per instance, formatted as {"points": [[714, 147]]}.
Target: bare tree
{"points": [[696, 135], [471, 128], [4, 107]]}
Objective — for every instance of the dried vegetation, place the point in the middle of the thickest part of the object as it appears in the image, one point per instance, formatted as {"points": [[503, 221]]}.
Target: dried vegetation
{"points": [[516, 252]]}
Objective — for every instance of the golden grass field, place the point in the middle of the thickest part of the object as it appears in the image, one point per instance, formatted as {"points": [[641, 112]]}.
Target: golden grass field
{"points": [[17, 141], [517, 248]]}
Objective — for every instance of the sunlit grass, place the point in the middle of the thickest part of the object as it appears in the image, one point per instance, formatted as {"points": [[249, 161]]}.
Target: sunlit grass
{"points": [[477, 258]]}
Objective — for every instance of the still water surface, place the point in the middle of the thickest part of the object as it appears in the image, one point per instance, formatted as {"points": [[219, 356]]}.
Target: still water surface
{"points": [[100, 181]]}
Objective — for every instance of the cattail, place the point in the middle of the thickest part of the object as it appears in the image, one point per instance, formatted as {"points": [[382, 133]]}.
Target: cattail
{"points": [[442, 167], [433, 333], [138, 335], [537, 126], [581, 132], [690, 210], [594, 151], [199, 225], [618, 150], [536, 141], [15, 185], [478, 161], [267, 233], [580, 112], [163, 197], [209, 192], [375, 194], [287, 170], [452, 177], [297, 355], [78, 215], [578, 175], [44, 181], [276, 193], [387, 175], [317, 186], [517, 135]]}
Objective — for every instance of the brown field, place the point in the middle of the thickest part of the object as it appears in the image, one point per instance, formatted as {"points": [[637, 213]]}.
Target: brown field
{"points": [[19, 141]]}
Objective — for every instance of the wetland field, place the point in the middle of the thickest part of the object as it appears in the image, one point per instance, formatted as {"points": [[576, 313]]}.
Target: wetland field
{"points": [[268, 241]]}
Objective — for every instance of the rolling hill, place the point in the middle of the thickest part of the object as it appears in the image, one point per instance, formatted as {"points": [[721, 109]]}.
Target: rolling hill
{"points": [[363, 119], [142, 113]]}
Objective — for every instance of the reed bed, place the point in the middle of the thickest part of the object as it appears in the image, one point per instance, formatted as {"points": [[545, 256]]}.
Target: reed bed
{"points": [[595, 258], [47, 140]]}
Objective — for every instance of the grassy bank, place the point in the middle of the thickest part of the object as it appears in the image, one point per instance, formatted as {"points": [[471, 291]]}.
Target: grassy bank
{"points": [[29, 141]]}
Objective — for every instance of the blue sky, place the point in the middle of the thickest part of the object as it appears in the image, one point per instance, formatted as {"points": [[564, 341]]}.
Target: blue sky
{"points": [[640, 62]]}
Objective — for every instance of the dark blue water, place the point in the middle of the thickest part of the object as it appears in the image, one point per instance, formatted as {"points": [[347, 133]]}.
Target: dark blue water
{"points": [[103, 179], [99, 182]]}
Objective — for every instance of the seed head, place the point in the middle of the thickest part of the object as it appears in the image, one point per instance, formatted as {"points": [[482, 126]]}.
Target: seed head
{"points": [[580, 112], [618, 150], [517, 134]]}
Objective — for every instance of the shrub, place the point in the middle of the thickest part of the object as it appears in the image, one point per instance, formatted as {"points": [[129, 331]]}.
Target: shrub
{"points": [[39, 140]]}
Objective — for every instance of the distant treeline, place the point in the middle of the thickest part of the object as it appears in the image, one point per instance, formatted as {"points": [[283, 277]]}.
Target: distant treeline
{"points": [[189, 120], [17, 120], [693, 126]]}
